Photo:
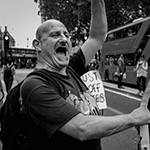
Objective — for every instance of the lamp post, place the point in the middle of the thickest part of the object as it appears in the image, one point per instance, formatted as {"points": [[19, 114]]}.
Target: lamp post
{"points": [[27, 42]]}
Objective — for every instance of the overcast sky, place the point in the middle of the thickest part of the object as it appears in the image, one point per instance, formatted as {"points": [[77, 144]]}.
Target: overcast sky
{"points": [[21, 19]]}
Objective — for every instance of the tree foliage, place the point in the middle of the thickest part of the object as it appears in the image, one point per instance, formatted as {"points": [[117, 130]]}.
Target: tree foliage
{"points": [[75, 14]]}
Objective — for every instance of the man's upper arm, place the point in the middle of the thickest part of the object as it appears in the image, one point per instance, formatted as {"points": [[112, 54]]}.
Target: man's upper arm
{"points": [[73, 126], [90, 48], [98, 30]]}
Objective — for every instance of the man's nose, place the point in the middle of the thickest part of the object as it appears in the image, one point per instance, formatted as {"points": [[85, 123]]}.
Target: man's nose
{"points": [[63, 41]]}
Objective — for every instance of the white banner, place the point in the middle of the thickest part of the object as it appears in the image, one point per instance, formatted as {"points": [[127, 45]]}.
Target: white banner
{"points": [[94, 83]]}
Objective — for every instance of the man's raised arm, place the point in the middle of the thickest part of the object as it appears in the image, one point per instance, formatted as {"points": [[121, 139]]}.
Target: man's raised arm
{"points": [[98, 30]]}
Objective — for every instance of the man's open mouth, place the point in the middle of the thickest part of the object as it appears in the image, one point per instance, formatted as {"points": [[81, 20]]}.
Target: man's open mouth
{"points": [[61, 51]]}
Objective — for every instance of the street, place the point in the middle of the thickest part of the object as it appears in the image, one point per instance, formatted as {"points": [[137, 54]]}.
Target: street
{"points": [[117, 103]]}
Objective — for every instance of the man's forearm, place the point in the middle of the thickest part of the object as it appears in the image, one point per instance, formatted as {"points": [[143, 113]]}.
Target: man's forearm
{"points": [[98, 26], [102, 126], [95, 127], [106, 126]]}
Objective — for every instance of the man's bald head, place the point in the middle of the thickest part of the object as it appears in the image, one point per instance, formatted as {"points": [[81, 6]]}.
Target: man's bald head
{"points": [[47, 26]]}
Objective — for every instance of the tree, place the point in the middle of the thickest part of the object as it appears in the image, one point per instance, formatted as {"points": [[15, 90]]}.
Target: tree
{"points": [[75, 14]]}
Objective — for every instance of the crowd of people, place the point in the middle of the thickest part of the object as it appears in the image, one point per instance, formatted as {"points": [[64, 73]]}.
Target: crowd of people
{"points": [[141, 70]]}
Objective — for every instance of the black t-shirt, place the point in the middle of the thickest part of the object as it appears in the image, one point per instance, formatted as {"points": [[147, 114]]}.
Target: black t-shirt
{"points": [[50, 108]]}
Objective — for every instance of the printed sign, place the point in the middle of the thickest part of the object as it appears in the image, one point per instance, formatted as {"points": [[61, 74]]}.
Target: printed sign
{"points": [[94, 83]]}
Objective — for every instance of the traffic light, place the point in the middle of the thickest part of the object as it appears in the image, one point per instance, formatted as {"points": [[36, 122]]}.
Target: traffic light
{"points": [[6, 45], [6, 42]]}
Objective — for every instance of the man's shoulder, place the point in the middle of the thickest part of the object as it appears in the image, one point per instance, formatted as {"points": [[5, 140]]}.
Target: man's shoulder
{"points": [[31, 82], [38, 78]]}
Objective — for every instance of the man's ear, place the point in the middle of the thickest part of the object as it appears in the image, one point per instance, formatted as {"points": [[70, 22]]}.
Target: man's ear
{"points": [[36, 44]]}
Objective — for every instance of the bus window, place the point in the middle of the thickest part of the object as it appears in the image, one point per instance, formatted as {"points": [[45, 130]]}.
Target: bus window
{"points": [[110, 37], [111, 60], [116, 59], [123, 33], [130, 59], [133, 30], [120, 34], [128, 31], [106, 61]]}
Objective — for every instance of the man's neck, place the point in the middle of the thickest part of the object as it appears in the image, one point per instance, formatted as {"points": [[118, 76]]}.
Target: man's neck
{"points": [[45, 66], [39, 65]]}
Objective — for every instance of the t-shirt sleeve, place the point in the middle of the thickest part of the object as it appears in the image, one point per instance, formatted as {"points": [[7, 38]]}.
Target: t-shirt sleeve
{"points": [[46, 107], [77, 62]]}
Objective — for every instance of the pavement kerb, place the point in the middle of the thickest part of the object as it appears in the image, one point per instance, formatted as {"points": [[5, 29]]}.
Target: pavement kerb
{"points": [[126, 90]]}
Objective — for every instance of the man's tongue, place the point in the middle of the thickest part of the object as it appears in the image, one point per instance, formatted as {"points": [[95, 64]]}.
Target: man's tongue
{"points": [[61, 53], [61, 56]]}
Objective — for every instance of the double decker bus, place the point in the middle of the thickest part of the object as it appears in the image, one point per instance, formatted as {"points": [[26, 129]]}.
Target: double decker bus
{"points": [[131, 40], [23, 57]]}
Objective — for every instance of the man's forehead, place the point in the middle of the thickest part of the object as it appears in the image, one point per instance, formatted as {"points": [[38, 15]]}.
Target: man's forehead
{"points": [[51, 24], [48, 25]]}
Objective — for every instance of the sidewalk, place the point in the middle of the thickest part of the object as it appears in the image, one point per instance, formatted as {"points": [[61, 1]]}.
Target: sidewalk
{"points": [[127, 90]]}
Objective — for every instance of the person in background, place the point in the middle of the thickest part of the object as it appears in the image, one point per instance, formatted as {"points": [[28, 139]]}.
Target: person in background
{"points": [[93, 64], [141, 74], [121, 69], [64, 115], [8, 72]]}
